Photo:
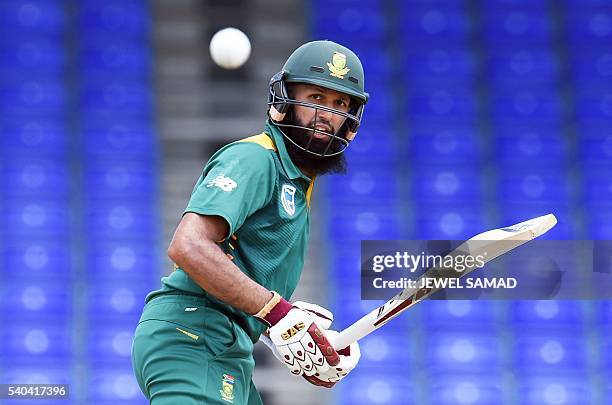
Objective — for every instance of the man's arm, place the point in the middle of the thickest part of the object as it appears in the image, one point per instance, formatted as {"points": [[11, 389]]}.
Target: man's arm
{"points": [[302, 346], [194, 249]]}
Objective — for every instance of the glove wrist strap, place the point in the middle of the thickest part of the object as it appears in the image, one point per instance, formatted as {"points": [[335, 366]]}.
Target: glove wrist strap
{"points": [[274, 310]]}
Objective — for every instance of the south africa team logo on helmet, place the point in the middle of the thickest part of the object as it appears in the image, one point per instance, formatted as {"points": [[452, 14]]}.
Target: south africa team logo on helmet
{"points": [[288, 199], [337, 67]]}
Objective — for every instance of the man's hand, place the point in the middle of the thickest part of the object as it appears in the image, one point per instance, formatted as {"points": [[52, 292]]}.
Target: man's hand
{"points": [[296, 338]]}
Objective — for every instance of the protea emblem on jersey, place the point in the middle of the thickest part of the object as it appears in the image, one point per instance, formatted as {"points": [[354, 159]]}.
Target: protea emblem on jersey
{"points": [[288, 199], [337, 67]]}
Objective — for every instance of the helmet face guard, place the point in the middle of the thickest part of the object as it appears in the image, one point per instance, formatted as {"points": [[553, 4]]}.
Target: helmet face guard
{"points": [[280, 112]]}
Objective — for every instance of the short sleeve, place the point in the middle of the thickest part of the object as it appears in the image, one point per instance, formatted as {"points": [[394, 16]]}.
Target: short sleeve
{"points": [[237, 181]]}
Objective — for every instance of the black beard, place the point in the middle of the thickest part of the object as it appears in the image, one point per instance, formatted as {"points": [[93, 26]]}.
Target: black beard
{"points": [[307, 162]]}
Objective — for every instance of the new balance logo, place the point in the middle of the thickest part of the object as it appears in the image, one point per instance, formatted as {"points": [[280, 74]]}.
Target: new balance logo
{"points": [[224, 183]]}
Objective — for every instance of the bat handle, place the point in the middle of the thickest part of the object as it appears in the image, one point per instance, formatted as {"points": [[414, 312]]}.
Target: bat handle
{"points": [[342, 341]]}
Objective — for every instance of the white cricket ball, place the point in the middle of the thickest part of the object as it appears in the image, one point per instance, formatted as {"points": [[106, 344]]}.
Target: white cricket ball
{"points": [[230, 48]]}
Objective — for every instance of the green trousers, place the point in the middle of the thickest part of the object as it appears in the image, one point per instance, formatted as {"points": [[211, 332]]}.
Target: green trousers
{"points": [[187, 352]]}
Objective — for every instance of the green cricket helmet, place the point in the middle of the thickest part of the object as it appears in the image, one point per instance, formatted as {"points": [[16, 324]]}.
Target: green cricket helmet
{"points": [[325, 64]]}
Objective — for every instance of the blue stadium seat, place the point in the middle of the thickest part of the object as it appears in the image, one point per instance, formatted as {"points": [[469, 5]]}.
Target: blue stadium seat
{"points": [[363, 22], [32, 57], [604, 311], [41, 343], [39, 216], [40, 96], [522, 184], [365, 388], [503, 26], [381, 349], [40, 374], [116, 180], [127, 98], [119, 138], [597, 186], [37, 303], [530, 149], [454, 105], [606, 347], [540, 6], [115, 18], [524, 65], [114, 385], [594, 108], [381, 106], [43, 18], [549, 353], [574, 388], [435, 25], [589, 27], [365, 222], [120, 59], [35, 178], [34, 136], [551, 315], [443, 144], [110, 345], [466, 387], [595, 144], [458, 312], [526, 106], [359, 186], [121, 261], [591, 67], [573, 5], [463, 350], [428, 67], [446, 184], [121, 220], [444, 222], [377, 65], [119, 304], [40, 259], [600, 224], [374, 143]]}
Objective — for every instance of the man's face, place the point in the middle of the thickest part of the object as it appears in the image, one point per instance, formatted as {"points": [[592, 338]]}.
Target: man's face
{"points": [[321, 120]]}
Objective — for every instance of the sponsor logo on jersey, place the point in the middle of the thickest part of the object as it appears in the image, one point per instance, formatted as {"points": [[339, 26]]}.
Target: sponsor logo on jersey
{"points": [[337, 67], [288, 199], [227, 388], [223, 182]]}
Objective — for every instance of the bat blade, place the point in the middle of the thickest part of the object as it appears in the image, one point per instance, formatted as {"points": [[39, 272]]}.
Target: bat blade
{"points": [[495, 243]]}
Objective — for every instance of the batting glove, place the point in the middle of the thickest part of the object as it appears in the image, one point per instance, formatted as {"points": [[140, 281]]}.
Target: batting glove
{"points": [[295, 337]]}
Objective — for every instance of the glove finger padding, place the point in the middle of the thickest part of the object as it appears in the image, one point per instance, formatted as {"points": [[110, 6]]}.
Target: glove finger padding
{"points": [[349, 357]]}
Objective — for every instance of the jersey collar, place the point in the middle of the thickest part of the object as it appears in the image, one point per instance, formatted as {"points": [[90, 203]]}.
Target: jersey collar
{"points": [[292, 170]]}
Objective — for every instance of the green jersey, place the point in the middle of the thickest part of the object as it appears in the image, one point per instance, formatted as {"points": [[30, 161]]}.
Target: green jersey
{"points": [[264, 197]]}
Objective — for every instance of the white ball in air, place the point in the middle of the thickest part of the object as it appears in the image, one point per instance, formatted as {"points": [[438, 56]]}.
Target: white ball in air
{"points": [[230, 48]]}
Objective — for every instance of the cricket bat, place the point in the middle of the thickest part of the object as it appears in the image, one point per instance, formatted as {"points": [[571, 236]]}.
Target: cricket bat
{"points": [[495, 243]]}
